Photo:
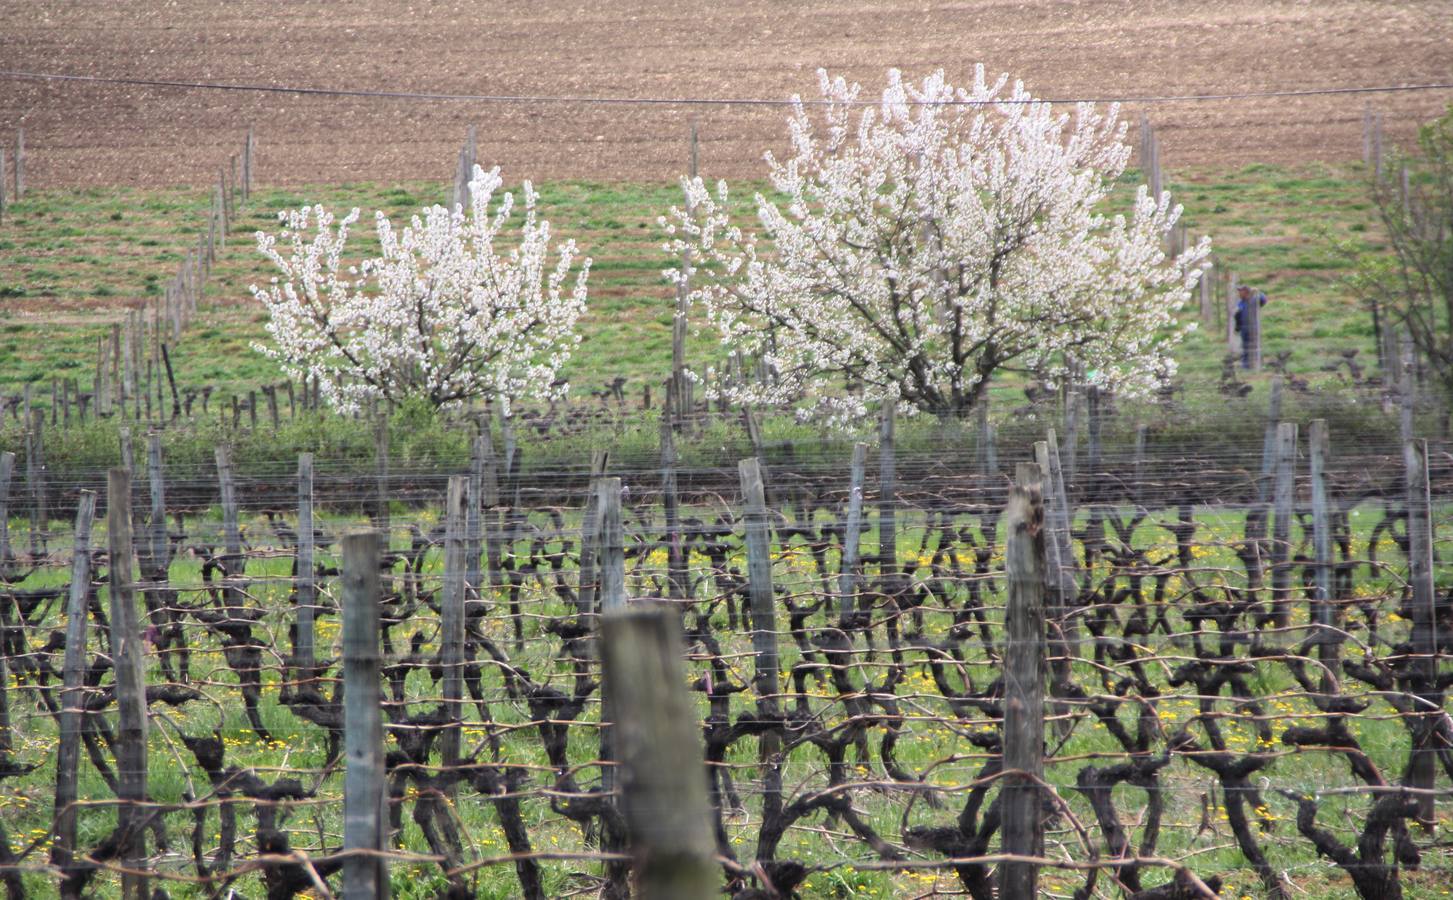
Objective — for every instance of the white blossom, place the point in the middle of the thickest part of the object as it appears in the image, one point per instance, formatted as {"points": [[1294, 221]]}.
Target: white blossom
{"points": [[915, 248], [461, 304]]}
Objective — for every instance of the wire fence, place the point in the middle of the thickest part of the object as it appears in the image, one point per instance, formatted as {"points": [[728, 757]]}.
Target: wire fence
{"points": [[1244, 673]]}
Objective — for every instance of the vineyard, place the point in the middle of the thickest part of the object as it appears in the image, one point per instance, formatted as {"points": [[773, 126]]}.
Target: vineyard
{"points": [[1244, 656], [423, 475]]}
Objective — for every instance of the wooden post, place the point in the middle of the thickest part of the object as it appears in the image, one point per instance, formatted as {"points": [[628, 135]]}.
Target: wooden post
{"points": [[231, 533], [269, 392], [764, 629], [451, 626], [612, 600], [20, 163], [2, 185], [852, 535], [988, 452], [128, 454], [248, 149], [1024, 673], [73, 701], [589, 582], [1208, 304], [1268, 440], [380, 478], [1422, 765], [683, 294], [658, 742], [887, 491], [35, 482], [365, 791], [1060, 574], [118, 385], [166, 359], [159, 554], [1069, 452], [304, 652], [127, 656], [677, 575], [474, 518], [1407, 386], [1286, 469], [612, 546], [1322, 606], [128, 374], [7, 470]]}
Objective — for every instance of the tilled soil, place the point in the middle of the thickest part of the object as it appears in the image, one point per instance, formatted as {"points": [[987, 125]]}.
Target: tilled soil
{"points": [[92, 134]]}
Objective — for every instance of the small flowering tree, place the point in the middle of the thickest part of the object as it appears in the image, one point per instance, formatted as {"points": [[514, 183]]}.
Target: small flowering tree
{"points": [[924, 244], [443, 313]]}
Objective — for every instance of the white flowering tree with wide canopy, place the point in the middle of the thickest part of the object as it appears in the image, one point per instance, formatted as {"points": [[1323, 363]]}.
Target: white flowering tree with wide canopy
{"points": [[462, 304], [925, 243]]}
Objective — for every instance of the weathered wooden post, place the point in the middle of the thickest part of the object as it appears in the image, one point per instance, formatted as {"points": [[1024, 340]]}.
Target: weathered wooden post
{"points": [[764, 629], [1422, 762], [612, 599], [887, 491], [1323, 608], [73, 701], [20, 164], [231, 532], [612, 546], [1286, 472], [474, 517], [35, 482], [451, 626], [365, 791], [127, 655], [852, 536], [658, 743], [306, 591], [249, 148], [7, 469], [1024, 673], [677, 575], [589, 584], [159, 551], [380, 478]]}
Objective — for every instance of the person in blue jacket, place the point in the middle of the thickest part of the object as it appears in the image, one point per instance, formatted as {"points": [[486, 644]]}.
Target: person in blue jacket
{"points": [[1246, 295]]}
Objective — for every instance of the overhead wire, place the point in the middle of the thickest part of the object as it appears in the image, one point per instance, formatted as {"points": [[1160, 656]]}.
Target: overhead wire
{"points": [[621, 100]]}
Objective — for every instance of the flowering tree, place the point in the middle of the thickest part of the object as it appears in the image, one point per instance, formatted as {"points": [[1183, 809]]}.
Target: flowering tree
{"points": [[442, 312], [925, 243]]}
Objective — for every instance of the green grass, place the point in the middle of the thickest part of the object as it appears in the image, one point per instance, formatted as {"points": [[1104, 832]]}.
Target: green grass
{"points": [[929, 739], [78, 257]]}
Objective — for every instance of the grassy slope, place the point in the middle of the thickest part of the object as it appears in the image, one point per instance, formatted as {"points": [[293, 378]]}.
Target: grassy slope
{"points": [[69, 260]]}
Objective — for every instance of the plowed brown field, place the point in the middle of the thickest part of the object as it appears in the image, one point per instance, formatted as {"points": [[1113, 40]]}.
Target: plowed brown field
{"points": [[92, 134]]}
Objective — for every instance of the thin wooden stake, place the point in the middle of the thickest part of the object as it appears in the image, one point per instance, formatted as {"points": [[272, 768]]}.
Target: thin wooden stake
{"points": [[73, 700], [127, 658], [304, 653], [451, 631], [852, 536], [1286, 468]]}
